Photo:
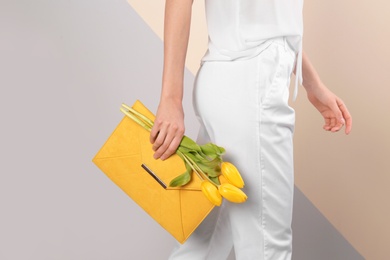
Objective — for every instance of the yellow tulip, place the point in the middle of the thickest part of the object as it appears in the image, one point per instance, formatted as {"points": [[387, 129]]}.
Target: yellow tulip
{"points": [[232, 175], [211, 192], [232, 193]]}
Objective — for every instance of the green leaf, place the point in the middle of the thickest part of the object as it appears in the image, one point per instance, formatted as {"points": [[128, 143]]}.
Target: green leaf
{"points": [[199, 156], [181, 179], [209, 150], [211, 172], [215, 163], [221, 150], [212, 150], [195, 158], [181, 156], [215, 180], [210, 167], [190, 144], [184, 149], [189, 169]]}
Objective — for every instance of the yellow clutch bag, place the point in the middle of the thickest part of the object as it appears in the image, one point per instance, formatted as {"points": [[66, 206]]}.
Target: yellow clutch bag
{"points": [[127, 159]]}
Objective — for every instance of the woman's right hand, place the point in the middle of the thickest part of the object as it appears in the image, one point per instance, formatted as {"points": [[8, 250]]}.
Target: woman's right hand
{"points": [[168, 128]]}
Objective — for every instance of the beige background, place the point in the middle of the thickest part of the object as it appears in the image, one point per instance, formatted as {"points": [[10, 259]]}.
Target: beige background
{"points": [[346, 177]]}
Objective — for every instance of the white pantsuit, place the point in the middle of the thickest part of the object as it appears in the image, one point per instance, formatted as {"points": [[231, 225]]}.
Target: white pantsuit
{"points": [[242, 105]]}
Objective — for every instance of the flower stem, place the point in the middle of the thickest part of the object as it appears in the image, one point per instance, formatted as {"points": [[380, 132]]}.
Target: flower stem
{"points": [[190, 163], [136, 119], [204, 174], [139, 115]]}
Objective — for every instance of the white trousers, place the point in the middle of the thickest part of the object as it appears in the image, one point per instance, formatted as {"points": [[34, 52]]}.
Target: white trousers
{"points": [[242, 105]]}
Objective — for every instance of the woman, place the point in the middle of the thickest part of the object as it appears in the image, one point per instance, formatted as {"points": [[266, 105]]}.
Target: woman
{"points": [[240, 97]]}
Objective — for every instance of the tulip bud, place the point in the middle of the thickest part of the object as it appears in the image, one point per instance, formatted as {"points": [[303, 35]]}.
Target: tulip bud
{"points": [[232, 193], [231, 174], [211, 192]]}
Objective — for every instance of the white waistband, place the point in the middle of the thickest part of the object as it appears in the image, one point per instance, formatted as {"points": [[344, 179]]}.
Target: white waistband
{"points": [[214, 54]]}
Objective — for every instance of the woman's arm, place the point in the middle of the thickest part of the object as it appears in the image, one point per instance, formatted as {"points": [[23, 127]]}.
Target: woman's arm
{"points": [[168, 129], [331, 107]]}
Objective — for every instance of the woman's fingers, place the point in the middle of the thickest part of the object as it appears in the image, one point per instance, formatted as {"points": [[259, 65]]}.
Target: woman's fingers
{"points": [[168, 129], [172, 147], [162, 145], [332, 108], [159, 140], [167, 141], [154, 133], [327, 124], [343, 117], [333, 123], [340, 117], [347, 117]]}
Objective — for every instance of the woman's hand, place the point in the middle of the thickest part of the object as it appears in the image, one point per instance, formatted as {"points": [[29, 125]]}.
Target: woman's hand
{"points": [[168, 128], [331, 107]]}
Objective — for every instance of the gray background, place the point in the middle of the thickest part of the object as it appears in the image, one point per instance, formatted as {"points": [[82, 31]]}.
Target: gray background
{"points": [[66, 66]]}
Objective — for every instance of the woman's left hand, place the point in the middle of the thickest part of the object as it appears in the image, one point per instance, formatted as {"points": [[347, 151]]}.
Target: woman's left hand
{"points": [[331, 107]]}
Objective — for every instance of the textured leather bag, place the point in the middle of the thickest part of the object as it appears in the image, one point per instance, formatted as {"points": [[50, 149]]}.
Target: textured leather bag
{"points": [[127, 159]]}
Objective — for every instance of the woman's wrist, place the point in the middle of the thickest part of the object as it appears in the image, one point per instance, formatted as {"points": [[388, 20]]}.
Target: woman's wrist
{"points": [[311, 79], [311, 85], [173, 97], [172, 90]]}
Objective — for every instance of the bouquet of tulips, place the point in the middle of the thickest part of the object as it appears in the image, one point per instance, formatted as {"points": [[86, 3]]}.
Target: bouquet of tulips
{"points": [[205, 161]]}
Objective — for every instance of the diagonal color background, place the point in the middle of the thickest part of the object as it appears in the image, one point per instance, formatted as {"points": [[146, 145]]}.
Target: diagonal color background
{"points": [[333, 171], [66, 66]]}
